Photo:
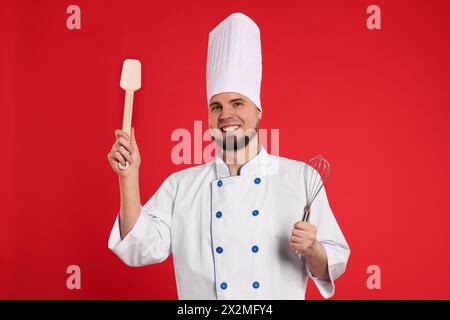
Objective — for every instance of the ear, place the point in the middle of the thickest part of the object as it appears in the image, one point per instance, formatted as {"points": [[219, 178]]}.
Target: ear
{"points": [[209, 123], [259, 114]]}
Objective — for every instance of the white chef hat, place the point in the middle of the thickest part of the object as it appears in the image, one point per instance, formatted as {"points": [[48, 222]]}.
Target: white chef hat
{"points": [[234, 61]]}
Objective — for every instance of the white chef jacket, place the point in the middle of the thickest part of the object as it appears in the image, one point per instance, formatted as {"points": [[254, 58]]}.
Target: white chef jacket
{"points": [[229, 235]]}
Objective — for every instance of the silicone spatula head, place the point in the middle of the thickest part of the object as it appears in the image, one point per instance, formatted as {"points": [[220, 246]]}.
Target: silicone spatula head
{"points": [[131, 75]]}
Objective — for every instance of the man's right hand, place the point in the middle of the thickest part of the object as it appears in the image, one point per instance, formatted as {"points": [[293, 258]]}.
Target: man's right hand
{"points": [[125, 149]]}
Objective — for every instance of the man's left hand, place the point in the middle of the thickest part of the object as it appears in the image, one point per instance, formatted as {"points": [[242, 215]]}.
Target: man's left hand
{"points": [[303, 238]]}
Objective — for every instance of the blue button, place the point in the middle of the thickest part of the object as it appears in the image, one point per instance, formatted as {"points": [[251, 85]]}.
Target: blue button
{"points": [[255, 284], [219, 183], [219, 249], [219, 214], [223, 285], [257, 180], [255, 213], [255, 249]]}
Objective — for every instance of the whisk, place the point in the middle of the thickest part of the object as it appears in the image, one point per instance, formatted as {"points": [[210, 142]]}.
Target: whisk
{"points": [[315, 172]]}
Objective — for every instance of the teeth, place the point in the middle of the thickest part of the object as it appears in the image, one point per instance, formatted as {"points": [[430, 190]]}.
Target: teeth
{"points": [[230, 128]]}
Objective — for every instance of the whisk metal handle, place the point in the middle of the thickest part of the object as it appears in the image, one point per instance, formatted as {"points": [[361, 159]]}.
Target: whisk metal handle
{"points": [[306, 213]]}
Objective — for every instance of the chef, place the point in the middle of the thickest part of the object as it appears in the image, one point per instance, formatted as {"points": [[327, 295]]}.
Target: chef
{"points": [[232, 225]]}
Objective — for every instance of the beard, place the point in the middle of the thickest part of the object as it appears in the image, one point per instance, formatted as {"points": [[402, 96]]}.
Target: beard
{"points": [[233, 143]]}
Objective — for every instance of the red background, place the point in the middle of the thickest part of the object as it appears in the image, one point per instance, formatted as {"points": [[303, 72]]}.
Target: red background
{"points": [[374, 102]]}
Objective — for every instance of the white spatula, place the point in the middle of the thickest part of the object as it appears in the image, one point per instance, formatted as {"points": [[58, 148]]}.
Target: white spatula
{"points": [[130, 81]]}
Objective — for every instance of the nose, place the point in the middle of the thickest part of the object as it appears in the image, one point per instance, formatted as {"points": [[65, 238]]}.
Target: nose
{"points": [[226, 113], [224, 116]]}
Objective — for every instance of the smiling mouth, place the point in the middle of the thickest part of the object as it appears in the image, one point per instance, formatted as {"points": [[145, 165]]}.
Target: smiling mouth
{"points": [[230, 129]]}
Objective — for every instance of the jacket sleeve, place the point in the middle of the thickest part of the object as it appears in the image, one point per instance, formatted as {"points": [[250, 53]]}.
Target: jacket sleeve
{"points": [[149, 240], [330, 236]]}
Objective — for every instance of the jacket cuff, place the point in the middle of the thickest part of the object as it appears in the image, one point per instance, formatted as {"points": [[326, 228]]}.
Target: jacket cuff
{"points": [[335, 269], [133, 238]]}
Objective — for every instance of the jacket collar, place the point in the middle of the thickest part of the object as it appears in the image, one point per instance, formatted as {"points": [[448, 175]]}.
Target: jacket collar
{"points": [[251, 166]]}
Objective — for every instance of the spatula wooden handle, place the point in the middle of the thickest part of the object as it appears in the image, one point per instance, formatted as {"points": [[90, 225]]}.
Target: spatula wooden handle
{"points": [[127, 113]]}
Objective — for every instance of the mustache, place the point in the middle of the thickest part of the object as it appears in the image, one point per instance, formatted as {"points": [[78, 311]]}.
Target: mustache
{"points": [[232, 142], [217, 132], [231, 121]]}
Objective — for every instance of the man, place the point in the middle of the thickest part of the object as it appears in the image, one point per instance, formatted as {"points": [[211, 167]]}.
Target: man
{"points": [[232, 225]]}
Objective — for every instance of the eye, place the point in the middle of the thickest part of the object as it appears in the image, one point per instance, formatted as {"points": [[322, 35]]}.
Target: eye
{"points": [[216, 107], [237, 104]]}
